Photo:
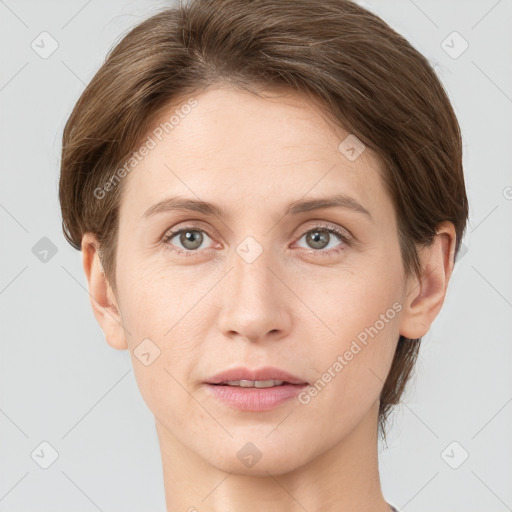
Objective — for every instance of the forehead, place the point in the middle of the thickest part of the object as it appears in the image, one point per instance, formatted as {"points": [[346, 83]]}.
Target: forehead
{"points": [[227, 145]]}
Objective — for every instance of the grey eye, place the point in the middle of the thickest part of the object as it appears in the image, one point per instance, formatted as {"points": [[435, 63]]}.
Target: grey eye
{"points": [[191, 239], [318, 239]]}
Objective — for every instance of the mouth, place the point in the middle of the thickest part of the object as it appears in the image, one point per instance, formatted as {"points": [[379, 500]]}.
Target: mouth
{"points": [[260, 384], [255, 390]]}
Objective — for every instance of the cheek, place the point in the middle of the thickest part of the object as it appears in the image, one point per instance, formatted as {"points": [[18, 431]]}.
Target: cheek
{"points": [[361, 326], [151, 300], [162, 343], [160, 313], [351, 299], [352, 368]]}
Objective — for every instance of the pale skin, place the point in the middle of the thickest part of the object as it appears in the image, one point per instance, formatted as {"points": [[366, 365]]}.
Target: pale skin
{"points": [[296, 306]]}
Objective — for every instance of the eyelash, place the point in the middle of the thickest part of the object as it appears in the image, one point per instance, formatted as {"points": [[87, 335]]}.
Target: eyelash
{"points": [[346, 240]]}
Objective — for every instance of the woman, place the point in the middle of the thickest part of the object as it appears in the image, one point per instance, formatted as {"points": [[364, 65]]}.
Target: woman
{"points": [[269, 198]]}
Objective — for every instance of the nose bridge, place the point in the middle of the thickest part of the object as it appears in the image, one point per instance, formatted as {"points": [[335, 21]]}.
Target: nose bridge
{"points": [[252, 302], [251, 267]]}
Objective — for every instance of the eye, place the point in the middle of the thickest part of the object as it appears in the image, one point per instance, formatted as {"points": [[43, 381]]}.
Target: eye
{"points": [[321, 236], [189, 238]]}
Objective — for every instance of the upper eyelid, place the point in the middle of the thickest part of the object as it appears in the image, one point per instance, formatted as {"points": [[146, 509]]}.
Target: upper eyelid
{"points": [[195, 224], [200, 225], [327, 225]]}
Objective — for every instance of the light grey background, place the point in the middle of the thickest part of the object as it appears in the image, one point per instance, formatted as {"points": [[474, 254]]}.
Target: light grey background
{"points": [[61, 383]]}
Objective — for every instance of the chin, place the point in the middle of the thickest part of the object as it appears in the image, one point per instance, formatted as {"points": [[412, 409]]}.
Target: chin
{"points": [[257, 457]]}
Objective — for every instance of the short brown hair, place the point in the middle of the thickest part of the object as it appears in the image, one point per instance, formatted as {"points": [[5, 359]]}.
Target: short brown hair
{"points": [[369, 79]]}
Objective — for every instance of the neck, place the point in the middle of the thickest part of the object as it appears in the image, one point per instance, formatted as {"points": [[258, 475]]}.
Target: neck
{"points": [[344, 478]]}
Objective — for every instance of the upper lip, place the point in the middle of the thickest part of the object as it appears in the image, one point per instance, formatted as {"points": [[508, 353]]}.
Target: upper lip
{"points": [[265, 373]]}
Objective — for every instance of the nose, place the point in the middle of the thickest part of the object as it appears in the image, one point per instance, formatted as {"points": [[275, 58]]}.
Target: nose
{"points": [[255, 301]]}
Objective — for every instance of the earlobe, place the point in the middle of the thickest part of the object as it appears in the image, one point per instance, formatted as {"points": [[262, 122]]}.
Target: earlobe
{"points": [[425, 297], [101, 296]]}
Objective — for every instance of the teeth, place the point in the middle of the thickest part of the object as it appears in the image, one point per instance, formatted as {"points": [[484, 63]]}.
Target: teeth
{"points": [[254, 383]]}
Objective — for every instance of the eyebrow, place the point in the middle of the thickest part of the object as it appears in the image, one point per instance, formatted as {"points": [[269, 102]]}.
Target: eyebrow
{"points": [[297, 207]]}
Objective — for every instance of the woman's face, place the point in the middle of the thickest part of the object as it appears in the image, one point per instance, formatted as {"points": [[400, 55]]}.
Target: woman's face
{"points": [[258, 285]]}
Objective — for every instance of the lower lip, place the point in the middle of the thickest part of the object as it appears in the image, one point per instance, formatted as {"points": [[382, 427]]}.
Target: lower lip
{"points": [[255, 399]]}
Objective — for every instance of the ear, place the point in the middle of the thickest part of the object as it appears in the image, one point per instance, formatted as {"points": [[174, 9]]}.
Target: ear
{"points": [[425, 297], [103, 300]]}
